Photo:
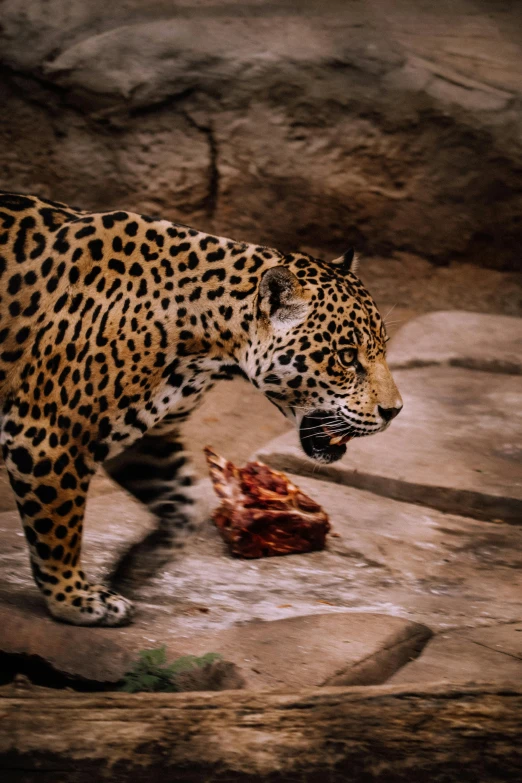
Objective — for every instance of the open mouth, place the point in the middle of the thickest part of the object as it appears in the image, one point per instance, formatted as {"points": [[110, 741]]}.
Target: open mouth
{"points": [[322, 438]]}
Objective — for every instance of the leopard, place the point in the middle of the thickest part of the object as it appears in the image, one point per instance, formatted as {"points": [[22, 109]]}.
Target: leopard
{"points": [[113, 326]]}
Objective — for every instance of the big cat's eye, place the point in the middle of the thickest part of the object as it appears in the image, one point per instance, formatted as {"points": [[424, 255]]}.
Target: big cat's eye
{"points": [[348, 357]]}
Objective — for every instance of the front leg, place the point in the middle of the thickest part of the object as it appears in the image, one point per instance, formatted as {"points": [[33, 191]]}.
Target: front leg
{"points": [[156, 470], [50, 472]]}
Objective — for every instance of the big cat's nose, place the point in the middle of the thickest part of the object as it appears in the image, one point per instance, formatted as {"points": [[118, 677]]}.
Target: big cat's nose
{"points": [[389, 413]]}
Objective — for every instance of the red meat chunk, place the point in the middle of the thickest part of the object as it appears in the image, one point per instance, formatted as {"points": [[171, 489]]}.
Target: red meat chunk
{"points": [[262, 513]]}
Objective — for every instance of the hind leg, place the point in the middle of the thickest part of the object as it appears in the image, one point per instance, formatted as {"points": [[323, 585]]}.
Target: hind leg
{"points": [[156, 471], [50, 476]]}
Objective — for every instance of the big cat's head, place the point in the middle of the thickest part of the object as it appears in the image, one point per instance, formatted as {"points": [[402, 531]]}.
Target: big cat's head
{"points": [[320, 353]]}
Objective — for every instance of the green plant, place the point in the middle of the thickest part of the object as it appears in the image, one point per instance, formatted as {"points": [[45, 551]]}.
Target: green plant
{"points": [[152, 673]]}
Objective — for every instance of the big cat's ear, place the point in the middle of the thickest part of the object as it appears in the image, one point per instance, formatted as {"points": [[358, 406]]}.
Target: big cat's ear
{"points": [[282, 298], [348, 262]]}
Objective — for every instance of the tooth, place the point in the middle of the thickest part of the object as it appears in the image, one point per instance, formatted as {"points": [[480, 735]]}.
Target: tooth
{"points": [[336, 440]]}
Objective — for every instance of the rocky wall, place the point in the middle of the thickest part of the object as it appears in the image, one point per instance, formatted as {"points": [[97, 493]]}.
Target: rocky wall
{"points": [[387, 125]]}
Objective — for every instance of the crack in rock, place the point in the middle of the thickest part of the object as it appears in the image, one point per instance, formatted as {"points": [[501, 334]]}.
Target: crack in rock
{"points": [[213, 174]]}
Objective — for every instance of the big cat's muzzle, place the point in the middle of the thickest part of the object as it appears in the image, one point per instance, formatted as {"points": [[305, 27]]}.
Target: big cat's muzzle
{"points": [[323, 436]]}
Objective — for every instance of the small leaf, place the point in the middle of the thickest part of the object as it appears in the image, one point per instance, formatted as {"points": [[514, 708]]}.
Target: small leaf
{"points": [[155, 657], [152, 674]]}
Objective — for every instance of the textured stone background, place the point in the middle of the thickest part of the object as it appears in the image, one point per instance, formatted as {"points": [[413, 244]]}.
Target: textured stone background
{"points": [[393, 125]]}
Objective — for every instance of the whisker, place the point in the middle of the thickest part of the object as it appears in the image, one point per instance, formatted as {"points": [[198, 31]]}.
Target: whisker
{"points": [[392, 308], [319, 430], [318, 427], [343, 431], [332, 433]]}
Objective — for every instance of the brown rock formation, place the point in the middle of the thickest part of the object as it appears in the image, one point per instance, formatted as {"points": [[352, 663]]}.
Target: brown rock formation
{"points": [[385, 125]]}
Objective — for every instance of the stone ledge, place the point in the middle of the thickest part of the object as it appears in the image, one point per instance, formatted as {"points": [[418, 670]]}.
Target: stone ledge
{"points": [[468, 655], [322, 649], [453, 448], [298, 652], [492, 343]]}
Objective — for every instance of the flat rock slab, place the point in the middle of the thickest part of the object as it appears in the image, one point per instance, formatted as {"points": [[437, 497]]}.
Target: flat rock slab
{"points": [[383, 556], [299, 652], [321, 649], [468, 656], [460, 339], [455, 446], [31, 641], [387, 557]]}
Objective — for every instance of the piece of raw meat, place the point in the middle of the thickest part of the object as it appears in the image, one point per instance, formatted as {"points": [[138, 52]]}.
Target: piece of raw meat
{"points": [[262, 513]]}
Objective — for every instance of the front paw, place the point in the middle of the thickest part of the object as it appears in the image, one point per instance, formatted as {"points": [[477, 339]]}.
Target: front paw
{"points": [[96, 605]]}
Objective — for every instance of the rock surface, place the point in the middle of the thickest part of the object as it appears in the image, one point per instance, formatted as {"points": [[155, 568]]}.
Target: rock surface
{"points": [[387, 557], [455, 446], [368, 123], [468, 656], [490, 343], [320, 649]]}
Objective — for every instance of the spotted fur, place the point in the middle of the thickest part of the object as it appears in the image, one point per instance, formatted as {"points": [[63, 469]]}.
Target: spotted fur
{"points": [[112, 327]]}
